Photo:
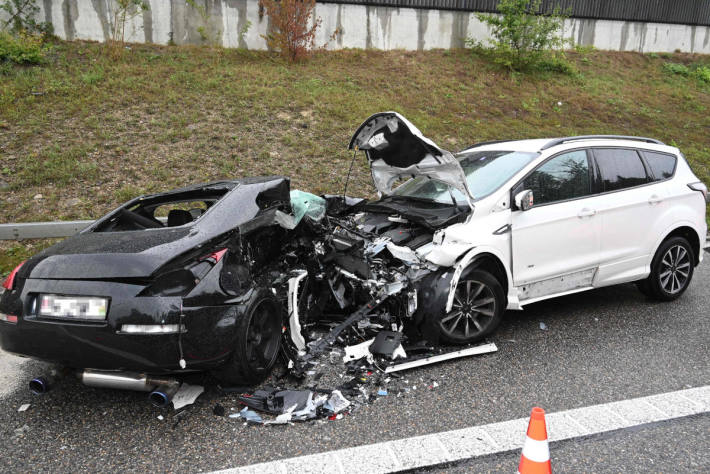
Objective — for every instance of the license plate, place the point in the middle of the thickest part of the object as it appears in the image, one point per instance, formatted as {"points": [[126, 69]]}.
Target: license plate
{"points": [[73, 307]]}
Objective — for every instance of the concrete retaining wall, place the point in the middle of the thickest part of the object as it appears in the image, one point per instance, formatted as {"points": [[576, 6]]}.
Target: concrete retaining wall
{"points": [[359, 26]]}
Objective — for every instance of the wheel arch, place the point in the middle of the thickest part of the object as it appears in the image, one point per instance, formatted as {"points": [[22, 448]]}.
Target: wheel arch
{"points": [[486, 259], [687, 232]]}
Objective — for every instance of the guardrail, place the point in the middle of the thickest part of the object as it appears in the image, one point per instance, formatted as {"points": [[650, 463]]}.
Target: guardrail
{"points": [[41, 230], [45, 230]]}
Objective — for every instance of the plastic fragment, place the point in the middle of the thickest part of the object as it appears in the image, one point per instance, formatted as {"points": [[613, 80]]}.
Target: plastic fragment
{"points": [[23, 407], [382, 393], [543, 326], [249, 416], [186, 395], [337, 402]]}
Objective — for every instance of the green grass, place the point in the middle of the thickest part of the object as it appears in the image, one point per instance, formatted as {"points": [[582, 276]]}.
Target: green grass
{"points": [[98, 128]]}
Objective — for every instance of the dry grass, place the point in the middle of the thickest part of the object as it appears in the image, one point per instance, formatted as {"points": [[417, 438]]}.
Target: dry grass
{"points": [[88, 131]]}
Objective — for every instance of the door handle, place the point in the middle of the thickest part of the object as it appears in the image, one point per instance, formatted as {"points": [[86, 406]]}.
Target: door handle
{"points": [[655, 199], [586, 212]]}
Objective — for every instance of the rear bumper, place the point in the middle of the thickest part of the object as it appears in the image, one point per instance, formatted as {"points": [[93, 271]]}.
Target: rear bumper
{"points": [[206, 342]]}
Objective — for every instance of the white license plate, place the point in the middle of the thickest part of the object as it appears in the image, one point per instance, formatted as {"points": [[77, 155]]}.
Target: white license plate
{"points": [[73, 307]]}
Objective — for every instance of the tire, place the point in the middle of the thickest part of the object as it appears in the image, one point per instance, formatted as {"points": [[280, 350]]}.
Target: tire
{"points": [[257, 341], [671, 270], [479, 304]]}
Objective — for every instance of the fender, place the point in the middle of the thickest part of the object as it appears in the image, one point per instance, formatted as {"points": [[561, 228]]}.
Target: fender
{"points": [[469, 258], [671, 228]]}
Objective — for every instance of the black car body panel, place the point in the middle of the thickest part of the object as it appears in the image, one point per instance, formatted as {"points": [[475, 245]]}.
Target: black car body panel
{"points": [[124, 267]]}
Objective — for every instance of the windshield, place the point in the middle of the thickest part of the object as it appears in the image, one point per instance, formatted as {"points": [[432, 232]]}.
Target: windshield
{"points": [[485, 172]]}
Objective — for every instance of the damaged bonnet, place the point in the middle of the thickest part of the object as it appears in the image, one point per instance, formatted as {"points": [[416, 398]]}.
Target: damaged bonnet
{"points": [[396, 149]]}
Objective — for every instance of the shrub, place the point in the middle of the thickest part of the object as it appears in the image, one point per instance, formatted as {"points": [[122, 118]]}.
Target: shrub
{"points": [[523, 37], [675, 68], [294, 26], [21, 18], [21, 49], [699, 72], [703, 74]]}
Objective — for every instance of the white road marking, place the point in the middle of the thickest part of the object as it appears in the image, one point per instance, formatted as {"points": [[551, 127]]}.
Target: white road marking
{"points": [[476, 441]]}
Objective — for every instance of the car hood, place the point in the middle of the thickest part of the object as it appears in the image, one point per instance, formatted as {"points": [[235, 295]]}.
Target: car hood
{"points": [[396, 149]]}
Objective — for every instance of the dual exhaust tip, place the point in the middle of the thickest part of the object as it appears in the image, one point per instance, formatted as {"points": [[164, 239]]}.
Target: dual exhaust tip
{"points": [[162, 389]]}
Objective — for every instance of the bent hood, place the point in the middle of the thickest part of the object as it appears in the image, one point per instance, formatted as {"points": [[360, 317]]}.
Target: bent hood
{"points": [[396, 149]]}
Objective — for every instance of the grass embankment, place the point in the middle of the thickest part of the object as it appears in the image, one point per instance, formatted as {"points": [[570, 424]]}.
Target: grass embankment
{"points": [[87, 131]]}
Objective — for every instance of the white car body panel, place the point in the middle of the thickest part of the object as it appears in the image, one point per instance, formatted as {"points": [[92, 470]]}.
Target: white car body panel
{"points": [[561, 247]]}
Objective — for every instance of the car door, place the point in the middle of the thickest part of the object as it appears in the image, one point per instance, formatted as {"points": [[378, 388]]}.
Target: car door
{"points": [[629, 205], [556, 242]]}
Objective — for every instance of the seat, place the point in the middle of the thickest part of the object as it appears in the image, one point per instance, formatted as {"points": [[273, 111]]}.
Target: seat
{"points": [[177, 217]]}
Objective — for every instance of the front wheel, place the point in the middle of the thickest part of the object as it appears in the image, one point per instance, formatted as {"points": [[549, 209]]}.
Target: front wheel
{"points": [[479, 303], [257, 341], [671, 270]]}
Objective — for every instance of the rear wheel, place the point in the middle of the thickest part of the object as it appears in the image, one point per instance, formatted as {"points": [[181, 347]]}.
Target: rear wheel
{"points": [[257, 342], [671, 270], [479, 303]]}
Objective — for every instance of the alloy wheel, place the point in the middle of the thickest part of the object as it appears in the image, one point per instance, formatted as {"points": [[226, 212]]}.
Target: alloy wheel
{"points": [[674, 269], [473, 310]]}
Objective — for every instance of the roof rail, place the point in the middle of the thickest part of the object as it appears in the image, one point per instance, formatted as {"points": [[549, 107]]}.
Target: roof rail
{"points": [[489, 142], [559, 141]]}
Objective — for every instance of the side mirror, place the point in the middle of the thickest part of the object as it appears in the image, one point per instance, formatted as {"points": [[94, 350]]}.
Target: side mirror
{"points": [[524, 200]]}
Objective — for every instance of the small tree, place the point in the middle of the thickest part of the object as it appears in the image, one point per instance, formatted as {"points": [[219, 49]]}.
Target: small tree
{"points": [[523, 36], [122, 12], [294, 26], [21, 18]]}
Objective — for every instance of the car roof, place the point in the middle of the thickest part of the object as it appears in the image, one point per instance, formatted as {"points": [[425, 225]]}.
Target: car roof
{"points": [[548, 144]]}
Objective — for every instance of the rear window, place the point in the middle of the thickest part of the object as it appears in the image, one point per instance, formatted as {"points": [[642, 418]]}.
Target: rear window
{"points": [[662, 165], [619, 168]]}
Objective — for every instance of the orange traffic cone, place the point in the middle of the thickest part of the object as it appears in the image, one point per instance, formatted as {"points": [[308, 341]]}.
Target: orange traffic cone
{"points": [[536, 452]]}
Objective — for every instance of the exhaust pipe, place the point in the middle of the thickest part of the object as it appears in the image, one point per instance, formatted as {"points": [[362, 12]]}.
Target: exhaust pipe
{"points": [[41, 385], [162, 390], [163, 395]]}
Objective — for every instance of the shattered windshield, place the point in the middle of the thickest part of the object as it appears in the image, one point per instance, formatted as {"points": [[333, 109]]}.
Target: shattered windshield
{"points": [[485, 172]]}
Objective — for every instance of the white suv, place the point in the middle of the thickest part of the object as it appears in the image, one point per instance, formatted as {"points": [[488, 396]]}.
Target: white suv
{"points": [[549, 217]]}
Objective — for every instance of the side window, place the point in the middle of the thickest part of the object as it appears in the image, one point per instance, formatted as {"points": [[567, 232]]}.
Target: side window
{"points": [[563, 177], [619, 168], [662, 165]]}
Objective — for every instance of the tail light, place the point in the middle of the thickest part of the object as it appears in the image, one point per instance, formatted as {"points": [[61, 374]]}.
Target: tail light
{"points": [[700, 187], [9, 282], [183, 277]]}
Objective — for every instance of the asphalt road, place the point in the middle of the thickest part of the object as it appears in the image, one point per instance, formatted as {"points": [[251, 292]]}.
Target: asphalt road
{"points": [[599, 346], [679, 445]]}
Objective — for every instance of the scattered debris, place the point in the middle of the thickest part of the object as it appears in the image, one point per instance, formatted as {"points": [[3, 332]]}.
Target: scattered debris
{"points": [[248, 415], [186, 395], [23, 407], [20, 432], [337, 402], [476, 350], [161, 417], [543, 326]]}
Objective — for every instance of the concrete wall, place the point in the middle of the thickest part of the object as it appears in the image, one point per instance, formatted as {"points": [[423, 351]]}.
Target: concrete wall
{"points": [[359, 26]]}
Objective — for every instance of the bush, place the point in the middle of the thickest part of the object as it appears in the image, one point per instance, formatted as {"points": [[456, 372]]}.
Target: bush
{"points": [[21, 49], [699, 72], [21, 18], [675, 68], [523, 37], [702, 73], [294, 26]]}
